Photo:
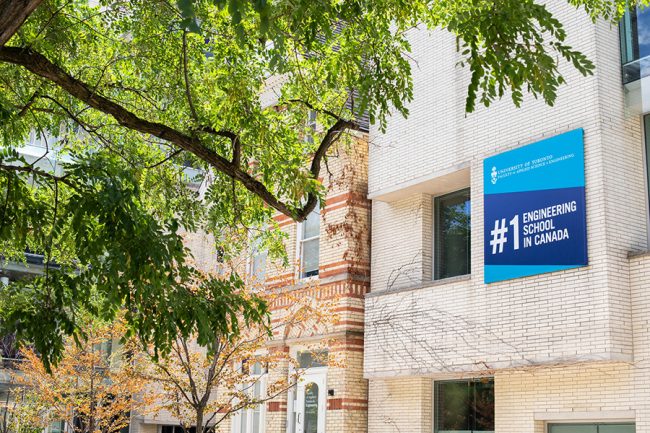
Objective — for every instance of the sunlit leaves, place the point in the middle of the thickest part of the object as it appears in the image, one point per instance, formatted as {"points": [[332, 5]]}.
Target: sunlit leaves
{"points": [[212, 70]]}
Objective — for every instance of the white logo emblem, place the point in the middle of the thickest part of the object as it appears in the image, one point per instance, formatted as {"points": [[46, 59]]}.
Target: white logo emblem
{"points": [[494, 175]]}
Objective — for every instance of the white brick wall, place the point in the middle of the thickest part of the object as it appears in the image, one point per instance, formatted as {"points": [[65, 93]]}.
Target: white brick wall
{"points": [[574, 341]]}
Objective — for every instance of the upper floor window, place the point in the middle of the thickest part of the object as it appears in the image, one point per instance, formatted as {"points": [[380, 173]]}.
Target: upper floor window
{"points": [[465, 406], [311, 126], [635, 44], [451, 255], [258, 261], [309, 244]]}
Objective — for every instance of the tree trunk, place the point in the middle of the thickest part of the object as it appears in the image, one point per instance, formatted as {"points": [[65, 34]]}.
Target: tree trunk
{"points": [[13, 14], [199, 420]]}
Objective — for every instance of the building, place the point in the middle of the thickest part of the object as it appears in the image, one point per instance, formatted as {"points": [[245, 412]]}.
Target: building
{"points": [[563, 351], [329, 262], [332, 251]]}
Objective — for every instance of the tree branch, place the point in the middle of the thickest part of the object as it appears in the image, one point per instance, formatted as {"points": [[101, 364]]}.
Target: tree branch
{"points": [[13, 14], [38, 172], [187, 80], [41, 66]]}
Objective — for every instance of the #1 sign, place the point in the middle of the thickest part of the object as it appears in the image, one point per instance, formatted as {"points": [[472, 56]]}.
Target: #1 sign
{"points": [[534, 200]]}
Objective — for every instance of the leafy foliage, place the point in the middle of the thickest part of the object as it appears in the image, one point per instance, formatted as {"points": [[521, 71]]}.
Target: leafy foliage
{"points": [[202, 386], [94, 388], [137, 91]]}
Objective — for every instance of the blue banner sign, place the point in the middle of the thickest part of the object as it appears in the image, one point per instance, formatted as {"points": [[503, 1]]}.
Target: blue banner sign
{"points": [[534, 198]]}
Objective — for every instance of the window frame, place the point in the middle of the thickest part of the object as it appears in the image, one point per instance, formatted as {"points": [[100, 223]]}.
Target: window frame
{"points": [[646, 172], [300, 240], [434, 234]]}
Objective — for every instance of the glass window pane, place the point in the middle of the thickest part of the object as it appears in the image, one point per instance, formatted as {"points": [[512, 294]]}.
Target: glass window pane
{"points": [[257, 368], [311, 408], [56, 427], [311, 226], [464, 406], [259, 266], [616, 428], [243, 425], [453, 406], [256, 421], [573, 428], [452, 235], [483, 406], [309, 262], [313, 358]]}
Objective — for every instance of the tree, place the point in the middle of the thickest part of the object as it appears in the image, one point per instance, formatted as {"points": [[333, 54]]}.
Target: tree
{"points": [[204, 386], [137, 90], [94, 388]]}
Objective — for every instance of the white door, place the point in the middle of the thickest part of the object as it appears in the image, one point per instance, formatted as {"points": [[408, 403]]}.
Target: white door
{"points": [[310, 403]]}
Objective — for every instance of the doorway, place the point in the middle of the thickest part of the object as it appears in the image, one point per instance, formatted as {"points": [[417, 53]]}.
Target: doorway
{"points": [[310, 403]]}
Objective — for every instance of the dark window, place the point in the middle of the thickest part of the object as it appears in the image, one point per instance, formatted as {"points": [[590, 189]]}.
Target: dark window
{"points": [[176, 429], [464, 406], [452, 235]]}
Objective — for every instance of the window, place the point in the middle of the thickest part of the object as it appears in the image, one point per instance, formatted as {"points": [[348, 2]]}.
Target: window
{"points": [[258, 261], [308, 244], [251, 420], [57, 427], [313, 359], [452, 235], [464, 406], [311, 126], [176, 429], [591, 428], [635, 47]]}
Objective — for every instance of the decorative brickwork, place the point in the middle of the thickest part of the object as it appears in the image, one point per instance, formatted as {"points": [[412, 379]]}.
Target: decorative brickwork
{"points": [[344, 271]]}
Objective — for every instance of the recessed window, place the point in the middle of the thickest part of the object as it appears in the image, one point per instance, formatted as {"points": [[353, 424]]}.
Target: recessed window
{"points": [[452, 235], [309, 244], [465, 406]]}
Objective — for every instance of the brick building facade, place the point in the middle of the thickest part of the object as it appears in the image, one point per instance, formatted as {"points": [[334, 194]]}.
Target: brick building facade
{"points": [[329, 398], [565, 351]]}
